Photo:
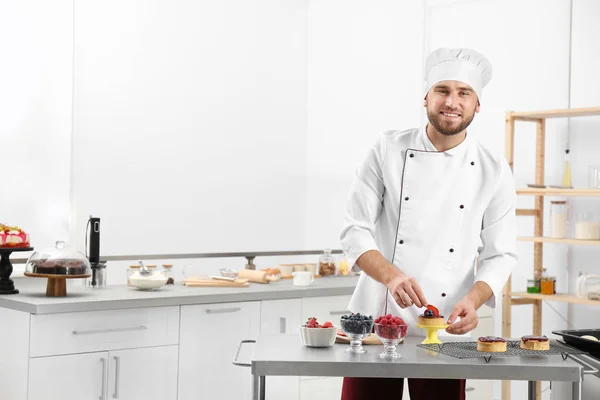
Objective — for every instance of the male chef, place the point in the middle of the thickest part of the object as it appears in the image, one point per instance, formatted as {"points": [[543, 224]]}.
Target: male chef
{"points": [[430, 219]]}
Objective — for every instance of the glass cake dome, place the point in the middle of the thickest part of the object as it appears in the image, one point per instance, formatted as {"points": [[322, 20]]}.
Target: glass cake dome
{"points": [[60, 260]]}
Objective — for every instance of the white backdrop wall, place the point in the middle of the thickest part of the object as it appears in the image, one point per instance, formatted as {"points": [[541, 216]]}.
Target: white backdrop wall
{"points": [[189, 124], [585, 142], [36, 46], [364, 77]]}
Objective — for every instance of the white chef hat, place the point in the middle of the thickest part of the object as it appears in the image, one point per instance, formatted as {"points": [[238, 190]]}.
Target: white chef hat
{"points": [[464, 65]]}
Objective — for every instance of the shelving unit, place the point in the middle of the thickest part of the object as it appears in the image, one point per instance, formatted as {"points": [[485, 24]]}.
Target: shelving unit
{"points": [[510, 298]]}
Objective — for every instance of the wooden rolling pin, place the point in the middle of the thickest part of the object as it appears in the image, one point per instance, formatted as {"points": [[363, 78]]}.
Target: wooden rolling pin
{"points": [[253, 275]]}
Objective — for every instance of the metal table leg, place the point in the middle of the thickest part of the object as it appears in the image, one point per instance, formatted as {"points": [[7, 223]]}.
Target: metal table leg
{"points": [[255, 387], [259, 384], [532, 390], [263, 384], [576, 391]]}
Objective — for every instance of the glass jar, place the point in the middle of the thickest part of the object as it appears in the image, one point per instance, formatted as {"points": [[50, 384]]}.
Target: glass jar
{"points": [[558, 219], [327, 263], [533, 286], [594, 176], [168, 273], [548, 284], [130, 271], [586, 227], [343, 266]]}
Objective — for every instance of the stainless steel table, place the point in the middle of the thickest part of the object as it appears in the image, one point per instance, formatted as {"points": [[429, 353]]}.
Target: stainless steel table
{"points": [[284, 355]]}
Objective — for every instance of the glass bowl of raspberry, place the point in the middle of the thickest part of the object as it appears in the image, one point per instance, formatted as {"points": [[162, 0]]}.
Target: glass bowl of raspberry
{"points": [[391, 331], [356, 327]]}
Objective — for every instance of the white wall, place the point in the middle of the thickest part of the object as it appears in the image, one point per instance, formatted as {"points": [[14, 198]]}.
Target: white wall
{"points": [[189, 125], [585, 140], [36, 44], [364, 77]]}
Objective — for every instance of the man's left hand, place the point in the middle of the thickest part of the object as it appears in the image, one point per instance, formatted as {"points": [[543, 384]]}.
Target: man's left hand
{"points": [[465, 309]]}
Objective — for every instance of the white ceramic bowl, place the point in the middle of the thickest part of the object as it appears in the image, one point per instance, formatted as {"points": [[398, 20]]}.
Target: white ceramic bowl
{"points": [[148, 284], [318, 337]]}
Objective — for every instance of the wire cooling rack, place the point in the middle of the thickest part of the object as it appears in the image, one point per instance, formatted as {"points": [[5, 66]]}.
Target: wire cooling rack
{"points": [[513, 349]]}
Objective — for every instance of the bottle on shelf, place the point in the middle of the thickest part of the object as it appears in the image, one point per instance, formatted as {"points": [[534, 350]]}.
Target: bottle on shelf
{"points": [[566, 179]]}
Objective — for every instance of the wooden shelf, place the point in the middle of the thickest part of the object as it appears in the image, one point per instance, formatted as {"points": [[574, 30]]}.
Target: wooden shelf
{"points": [[543, 239], [559, 192], [564, 298], [570, 112]]}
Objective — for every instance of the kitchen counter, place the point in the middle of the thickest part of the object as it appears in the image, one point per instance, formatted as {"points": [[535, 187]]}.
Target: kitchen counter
{"points": [[32, 297]]}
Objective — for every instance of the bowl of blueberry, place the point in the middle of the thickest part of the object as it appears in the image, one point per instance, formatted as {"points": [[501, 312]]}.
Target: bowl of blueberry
{"points": [[356, 327]]}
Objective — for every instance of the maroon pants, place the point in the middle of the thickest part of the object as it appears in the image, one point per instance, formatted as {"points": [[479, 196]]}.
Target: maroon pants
{"points": [[419, 389]]}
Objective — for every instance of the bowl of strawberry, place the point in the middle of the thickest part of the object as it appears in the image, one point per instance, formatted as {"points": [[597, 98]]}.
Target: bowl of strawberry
{"points": [[390, 330], [314, 334]]}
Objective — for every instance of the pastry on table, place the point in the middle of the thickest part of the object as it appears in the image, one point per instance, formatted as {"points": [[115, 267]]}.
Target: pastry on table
{"points": [[431, 317], [491, 344], [535, 343]]}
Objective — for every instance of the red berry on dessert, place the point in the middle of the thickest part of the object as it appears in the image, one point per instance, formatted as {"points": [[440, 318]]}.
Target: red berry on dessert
{"points": [[431, 317]]}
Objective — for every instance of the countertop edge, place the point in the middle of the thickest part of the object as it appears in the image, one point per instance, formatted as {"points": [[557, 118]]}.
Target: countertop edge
{"points": [[281, 293]]}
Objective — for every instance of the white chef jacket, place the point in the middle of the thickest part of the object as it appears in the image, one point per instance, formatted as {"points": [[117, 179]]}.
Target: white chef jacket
{"points": [[445, 218]]}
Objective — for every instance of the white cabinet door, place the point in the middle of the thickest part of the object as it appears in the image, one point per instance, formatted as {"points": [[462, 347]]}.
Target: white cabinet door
{"points": [[281, 316], [209, 336], [129, 367], [72, 377], [329, 308]]}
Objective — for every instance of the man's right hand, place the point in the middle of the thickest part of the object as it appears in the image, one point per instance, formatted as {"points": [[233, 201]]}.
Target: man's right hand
{"points": [[406, 291]]}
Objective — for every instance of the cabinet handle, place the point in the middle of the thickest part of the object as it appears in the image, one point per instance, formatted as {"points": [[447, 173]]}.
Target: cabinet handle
{"points": [[94, 331], [103, 362], [117, 373], [338, 312], [469, 389], [223, 310], [282, 324]]}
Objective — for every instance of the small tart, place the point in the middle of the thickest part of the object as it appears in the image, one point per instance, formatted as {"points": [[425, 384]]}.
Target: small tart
{"points": [[491, 344], [432, 321], [531, 342]]}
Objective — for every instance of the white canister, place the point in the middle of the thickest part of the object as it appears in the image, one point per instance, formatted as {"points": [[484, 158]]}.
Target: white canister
{"points": [[558, 219], [303, 278]]}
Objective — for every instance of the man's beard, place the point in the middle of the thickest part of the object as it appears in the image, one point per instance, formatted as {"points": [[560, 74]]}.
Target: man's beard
{"points": [[446, 129]]}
